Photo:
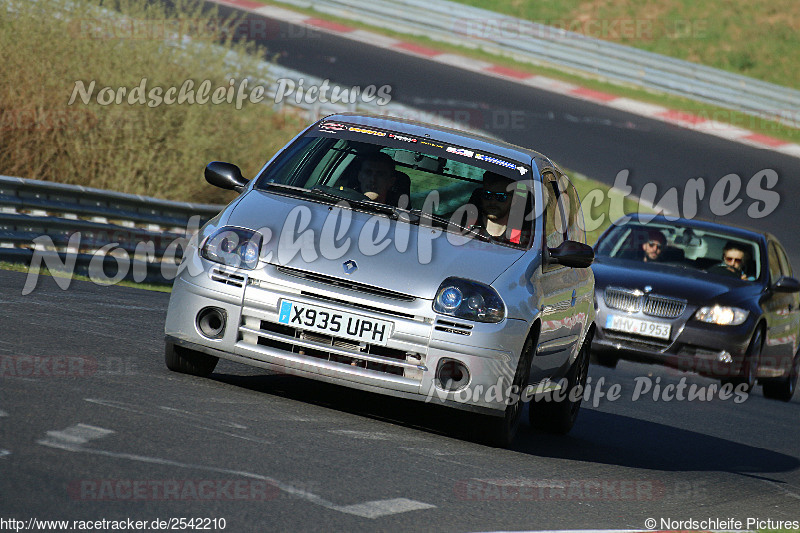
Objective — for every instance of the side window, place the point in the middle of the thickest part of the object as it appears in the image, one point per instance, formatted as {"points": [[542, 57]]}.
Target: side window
{"points": [[774, 263], [554, 222]]}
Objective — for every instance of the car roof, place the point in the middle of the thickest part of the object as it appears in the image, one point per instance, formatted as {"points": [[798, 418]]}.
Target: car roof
{"points": [[702, 224], [441, 133]]}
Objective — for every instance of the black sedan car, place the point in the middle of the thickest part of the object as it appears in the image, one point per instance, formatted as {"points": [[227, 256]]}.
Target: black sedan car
{"points": [[698, 296]]}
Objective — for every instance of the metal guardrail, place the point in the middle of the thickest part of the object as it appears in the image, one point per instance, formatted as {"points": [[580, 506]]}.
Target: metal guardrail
{"points": [[93, 225], [545, 45], [58, 221]]}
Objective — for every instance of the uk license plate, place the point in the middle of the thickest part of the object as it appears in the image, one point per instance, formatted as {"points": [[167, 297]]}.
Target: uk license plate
{"points": [[334, 322], [637, 326]]}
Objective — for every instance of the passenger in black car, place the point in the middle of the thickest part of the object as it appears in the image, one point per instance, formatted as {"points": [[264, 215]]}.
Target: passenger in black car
{"points": [[654, 246]]}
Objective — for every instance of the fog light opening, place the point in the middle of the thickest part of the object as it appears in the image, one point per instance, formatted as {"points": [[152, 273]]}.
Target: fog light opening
{"points": [[211, 322], [725, 357], [452, 375]]}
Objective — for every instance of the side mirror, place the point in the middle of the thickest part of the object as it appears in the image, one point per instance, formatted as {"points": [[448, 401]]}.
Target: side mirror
{"points": [[572, 254], [225, 176], [786, 284]]}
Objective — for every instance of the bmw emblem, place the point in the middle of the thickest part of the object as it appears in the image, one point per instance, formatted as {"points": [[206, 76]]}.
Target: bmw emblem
{"points": [[648, 288], [350, 266]]}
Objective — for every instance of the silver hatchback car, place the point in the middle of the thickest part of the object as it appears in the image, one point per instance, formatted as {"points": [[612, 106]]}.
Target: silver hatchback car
{"points": [[399, 258]]}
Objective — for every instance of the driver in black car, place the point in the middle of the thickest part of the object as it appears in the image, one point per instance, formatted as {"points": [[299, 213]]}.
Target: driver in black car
{"points": [[733, 260]]}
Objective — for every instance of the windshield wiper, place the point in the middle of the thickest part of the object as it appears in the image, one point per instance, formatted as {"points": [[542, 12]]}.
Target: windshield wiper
{"points": [[447, 224], [393, 212]]}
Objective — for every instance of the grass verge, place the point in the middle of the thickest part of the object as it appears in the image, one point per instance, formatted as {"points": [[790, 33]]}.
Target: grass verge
{"points": [[45, 271], [109, 137]]}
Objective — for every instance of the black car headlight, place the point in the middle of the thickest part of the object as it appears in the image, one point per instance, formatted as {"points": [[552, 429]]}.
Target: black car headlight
{"points": [[467, 299], [722, 315], [236, 247]]}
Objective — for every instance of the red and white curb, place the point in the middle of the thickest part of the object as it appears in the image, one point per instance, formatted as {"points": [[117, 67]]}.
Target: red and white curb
{"points": [[682, 119]]}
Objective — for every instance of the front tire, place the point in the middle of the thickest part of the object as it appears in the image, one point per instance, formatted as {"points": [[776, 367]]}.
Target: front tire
{"points": [[559, 416], [500, 431], [783, 388], [186, 361], [750, 363]]}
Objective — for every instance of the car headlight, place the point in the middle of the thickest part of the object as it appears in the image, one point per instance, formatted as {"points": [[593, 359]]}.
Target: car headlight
{"points": [[469, 299], [722, 315], [234, 247]]}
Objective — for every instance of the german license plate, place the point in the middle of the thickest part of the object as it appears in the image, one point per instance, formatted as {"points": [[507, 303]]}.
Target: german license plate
{"points": [[637, 326], [334, 322]]}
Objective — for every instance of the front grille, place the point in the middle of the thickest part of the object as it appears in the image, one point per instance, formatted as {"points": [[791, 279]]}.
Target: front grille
{"points": [[664, 307], [381, 359], [228, 278], [633, 301], [449, 326], [359, 306], [623, 299], [345, 284]]}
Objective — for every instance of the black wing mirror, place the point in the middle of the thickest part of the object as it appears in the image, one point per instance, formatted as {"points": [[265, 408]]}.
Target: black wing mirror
{"points": [[786, 284], [572, 254], [225, 176]]}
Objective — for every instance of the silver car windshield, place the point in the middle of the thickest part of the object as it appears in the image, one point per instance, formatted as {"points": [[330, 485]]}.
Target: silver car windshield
{"points": [[454, 187], [683, 247]]}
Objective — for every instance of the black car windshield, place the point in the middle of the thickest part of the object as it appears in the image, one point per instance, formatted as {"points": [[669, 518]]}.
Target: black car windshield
{"points": [[460, 189], [678, 246]]}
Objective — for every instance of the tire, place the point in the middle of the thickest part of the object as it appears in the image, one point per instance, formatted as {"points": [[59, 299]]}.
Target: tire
{"points": [[186, 361], [750, 363], [783, 388], [500, 431], [559, 416], [606, 359]]}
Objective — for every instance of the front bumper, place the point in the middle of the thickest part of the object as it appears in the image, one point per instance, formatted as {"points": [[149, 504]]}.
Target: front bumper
{"points": [[406, 366], [707, 349]]}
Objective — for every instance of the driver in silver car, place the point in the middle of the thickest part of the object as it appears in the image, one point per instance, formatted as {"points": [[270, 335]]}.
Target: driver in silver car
{"points": [[376, 176]]}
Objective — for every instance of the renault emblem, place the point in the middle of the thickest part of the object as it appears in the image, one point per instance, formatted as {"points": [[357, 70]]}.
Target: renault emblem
{"points": [[350, 266]]}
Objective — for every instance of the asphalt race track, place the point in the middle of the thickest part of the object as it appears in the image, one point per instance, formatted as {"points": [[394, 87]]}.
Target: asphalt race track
{"points": [[93, 426]]}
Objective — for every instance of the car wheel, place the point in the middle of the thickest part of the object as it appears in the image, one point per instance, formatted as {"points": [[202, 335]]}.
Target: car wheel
{"points": [[559, 416], [186, 361], [750, 363], [500, 431], [783, 388], [606, 359]]}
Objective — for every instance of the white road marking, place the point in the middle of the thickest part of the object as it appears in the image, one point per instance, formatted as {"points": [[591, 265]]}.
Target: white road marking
{"points": [[194, 416], [372, 509], [373, 38], [3, 414], [131, 409], [463, 62], [378, 508], [4, 453], [78, 434], [363, 435]]}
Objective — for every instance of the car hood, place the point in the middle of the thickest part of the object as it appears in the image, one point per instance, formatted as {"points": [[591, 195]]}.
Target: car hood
{"points": [[694, 286], [296, 237]]}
